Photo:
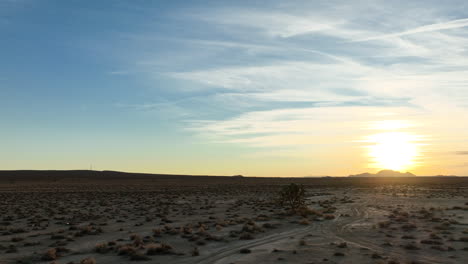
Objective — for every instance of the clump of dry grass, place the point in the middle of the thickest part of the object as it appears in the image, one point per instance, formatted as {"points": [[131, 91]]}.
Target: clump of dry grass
{"points": [[157, 232], [187, 229], [342, 245], [408, 227], [101, 248], [251, 227], [139, 256], [430, 242], [137, 240], [159, 249], [50, 254], [384, 224], [246, 236], [329, 216], [88, 261], [410, 246], [245, 251], [126, 250], [305, 211], [16, 239], [11, 249]]}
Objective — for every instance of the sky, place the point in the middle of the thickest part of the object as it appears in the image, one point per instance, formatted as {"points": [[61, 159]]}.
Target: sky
{"points": [[263, 88]]}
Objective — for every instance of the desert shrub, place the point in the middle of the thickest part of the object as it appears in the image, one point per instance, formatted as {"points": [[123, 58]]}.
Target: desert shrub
{"points": [[292, 196]]}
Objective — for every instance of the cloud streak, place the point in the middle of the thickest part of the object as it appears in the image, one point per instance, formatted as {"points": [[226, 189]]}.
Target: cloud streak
{"points": [[453, 24]]}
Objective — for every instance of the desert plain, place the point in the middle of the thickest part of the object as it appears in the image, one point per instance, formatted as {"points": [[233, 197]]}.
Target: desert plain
{"points": [[104, 217]]}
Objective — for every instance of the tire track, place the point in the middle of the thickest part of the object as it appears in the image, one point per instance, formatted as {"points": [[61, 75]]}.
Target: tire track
{"points": [[346, 235], [322, 227], [234, 249]]}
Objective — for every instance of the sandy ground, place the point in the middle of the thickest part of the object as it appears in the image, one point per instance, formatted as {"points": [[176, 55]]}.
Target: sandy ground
{"points": [[189, 221]]}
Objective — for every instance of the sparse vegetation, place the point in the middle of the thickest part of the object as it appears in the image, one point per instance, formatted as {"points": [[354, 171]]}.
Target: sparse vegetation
{"points": [[203, 219]]}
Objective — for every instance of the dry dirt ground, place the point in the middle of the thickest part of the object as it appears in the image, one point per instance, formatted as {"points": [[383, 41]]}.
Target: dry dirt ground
{"points": [[232, 220]]}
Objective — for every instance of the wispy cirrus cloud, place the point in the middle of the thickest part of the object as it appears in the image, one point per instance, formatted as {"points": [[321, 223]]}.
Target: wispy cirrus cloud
{"points": [[453, 24], [273, 23], [279, 76]]}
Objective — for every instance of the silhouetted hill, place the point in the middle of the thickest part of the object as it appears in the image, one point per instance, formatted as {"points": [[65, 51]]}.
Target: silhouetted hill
{"points": [[83, 174], [384, 173]]}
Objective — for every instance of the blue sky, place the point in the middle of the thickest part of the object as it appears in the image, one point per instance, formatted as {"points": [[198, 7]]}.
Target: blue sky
{"points": [[231, 87]]}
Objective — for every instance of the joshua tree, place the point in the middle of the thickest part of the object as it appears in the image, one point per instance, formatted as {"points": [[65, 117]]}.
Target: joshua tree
{"points": [[293, 196]]}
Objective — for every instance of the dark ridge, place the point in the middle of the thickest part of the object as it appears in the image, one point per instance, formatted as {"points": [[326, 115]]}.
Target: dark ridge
{"points": [[86, 174]]}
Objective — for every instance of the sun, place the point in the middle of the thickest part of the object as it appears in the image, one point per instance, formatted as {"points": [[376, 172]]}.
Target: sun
{"points": [[393, 150]]}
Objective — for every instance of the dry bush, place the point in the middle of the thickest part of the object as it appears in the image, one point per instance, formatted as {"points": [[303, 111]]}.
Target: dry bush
{"points": [[292, 196]]}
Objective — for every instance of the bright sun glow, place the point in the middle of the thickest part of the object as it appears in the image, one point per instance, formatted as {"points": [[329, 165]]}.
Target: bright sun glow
{"points": [[394, 150]]}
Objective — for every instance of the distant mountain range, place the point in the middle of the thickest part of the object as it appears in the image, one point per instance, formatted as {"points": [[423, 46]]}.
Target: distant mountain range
{"points": [[384, 173], [85, 174]]}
